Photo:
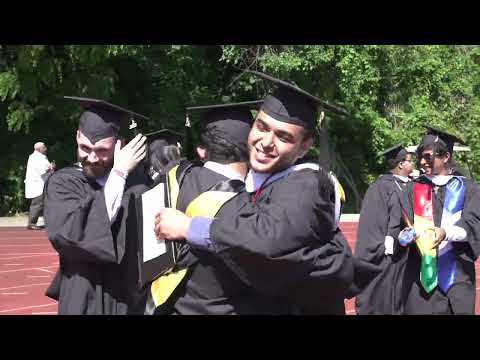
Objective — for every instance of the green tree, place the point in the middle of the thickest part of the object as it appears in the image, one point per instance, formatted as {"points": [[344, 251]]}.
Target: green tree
{"points": [[389, 92]]}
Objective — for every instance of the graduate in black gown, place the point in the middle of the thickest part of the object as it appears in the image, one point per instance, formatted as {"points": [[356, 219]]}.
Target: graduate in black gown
{"points": [[85, 211], [378, 229], [446, 283], [222, 150], [162, 154], [279, 237]]}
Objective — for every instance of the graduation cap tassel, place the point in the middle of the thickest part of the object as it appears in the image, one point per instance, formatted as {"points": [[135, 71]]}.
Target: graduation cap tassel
{"points": [[133, 126], [434, 154], [469, 169], [323, 144], [188, 148], [325, 183]]}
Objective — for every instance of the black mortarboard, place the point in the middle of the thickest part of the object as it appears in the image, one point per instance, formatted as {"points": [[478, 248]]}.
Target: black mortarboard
{"points": [[158, 156], [395, 154], [163, 137], [232, 122], [442, 139], [102, 119], [293, 105]]}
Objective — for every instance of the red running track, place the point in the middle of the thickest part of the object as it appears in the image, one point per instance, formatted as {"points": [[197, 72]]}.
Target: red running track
{"points": [[28, 263], [350, 231]]}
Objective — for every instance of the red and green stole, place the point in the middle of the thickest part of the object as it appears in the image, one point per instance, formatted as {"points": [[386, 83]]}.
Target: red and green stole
{"points": [[437, 266]]}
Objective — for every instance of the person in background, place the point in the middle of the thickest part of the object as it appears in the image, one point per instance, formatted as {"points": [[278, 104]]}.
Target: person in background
{"points": [[378, 230], [85, 211], [38, 169], [442, 238]]}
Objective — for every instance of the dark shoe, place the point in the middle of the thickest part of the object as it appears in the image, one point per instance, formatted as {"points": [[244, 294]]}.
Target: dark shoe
{"points": [[34, 227]]}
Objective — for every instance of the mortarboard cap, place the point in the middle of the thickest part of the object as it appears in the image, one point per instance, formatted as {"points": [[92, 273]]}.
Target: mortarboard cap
{"points": [[164, 137], [444, 140], [158, 155], [232, 122], [395, 154], [102, 119], [291, 104]]}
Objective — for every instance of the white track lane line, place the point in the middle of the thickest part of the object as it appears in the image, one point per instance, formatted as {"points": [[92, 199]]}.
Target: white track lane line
{"points": [[15, 293], [48, 271], [22, 253], [25, 257], [22, 286], [30, 245], [26, 307], [45, 313], [26, 269]]}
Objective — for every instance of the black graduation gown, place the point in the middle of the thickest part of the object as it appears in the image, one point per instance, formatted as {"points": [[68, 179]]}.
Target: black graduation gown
{"points": [[211, 287], [460, 298], [137, 183], [285, 248], [92, 251], [381, 216]]}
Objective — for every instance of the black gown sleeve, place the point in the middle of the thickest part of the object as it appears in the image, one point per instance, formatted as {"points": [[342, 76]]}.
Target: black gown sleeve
{"points": [[395, 221], [77, 221], [284, 244], [372, 226], [380, 216]]}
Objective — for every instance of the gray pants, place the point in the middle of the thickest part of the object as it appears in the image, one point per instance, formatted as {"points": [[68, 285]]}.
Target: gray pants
{"points": [[36, 210]]}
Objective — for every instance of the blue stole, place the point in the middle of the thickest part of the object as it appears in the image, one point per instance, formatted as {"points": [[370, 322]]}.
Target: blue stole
{"points": [[452, 211]]}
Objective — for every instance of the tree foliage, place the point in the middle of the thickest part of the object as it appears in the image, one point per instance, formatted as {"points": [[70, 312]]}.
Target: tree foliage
{"points": [[389, 92]]}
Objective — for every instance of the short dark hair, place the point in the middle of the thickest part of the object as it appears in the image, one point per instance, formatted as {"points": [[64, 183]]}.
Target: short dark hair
{"points": [[161, 158], [393, 163], [220, 150]]}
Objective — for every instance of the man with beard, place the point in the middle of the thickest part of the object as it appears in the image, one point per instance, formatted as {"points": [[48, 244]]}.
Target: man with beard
{"points": [[443, 208], [38, 170], [84, 214], [378, 228]]}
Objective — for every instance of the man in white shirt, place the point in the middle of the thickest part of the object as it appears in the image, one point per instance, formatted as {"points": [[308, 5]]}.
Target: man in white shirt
{"points": [[38, 166]]}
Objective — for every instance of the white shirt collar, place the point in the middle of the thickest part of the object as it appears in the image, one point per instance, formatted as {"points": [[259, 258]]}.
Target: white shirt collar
{"points": [[439, 180], [254, 180], [404, 179], [224, 170]]}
